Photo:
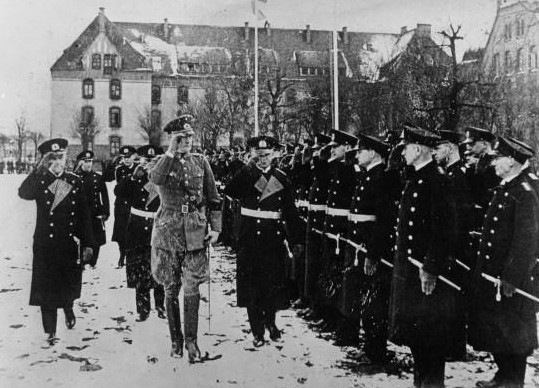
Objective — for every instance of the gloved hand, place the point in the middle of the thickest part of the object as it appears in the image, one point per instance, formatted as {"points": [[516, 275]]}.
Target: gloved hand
{"points": [[297, 250], [370, 266], [87, 254], [428, 282], [211, 237], [507, 289], [44, 163]]}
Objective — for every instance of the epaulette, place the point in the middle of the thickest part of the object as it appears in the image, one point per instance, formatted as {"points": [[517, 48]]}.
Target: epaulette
{"points": [[533, 176], [526, 186]]}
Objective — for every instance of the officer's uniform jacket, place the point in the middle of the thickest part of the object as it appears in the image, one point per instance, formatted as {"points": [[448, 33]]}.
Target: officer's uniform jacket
{"points": [[121, 204], [424, 230], [189, 202], [63, 225], [507, 251], [318, 193], [98, 202]]}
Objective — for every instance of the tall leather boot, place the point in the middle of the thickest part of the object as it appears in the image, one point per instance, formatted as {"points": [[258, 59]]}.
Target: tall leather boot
{"points": [[49, 316], [175, 326], [190, 311]]}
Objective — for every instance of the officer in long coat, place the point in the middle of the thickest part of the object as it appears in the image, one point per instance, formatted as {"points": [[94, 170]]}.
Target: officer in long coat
{"points": [[501, 321], [421, 308], [122, 206], [97, 197], [63, 224], [188, 219], [144, 200], [270, 227]]}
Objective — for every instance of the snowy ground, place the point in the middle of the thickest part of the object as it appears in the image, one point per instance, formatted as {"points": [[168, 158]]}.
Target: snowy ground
{"points": [[107, 348]]}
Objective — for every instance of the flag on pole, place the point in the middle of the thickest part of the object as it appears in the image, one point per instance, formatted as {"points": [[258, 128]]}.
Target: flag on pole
{"points": [[261, 15]]}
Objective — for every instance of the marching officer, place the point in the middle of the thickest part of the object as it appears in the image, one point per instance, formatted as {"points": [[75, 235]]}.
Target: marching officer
{"points": [[502, 322], [63, 225], [421, 310], [97, 197], [122, 207], [188, 219], [270, 225], [144, 200], [370, 228]]}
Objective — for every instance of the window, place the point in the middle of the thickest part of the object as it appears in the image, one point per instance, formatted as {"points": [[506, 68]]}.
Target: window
{"points": [[88, 88], [302, 70], [109, 63], [532, 58], [96, 61], [507, 32], [115, 145], [156, 94], [496, 64], [115, 117], [156, 118], [520, 60], [87, 115], [507, 62], [115, 91], [183, 95], [521, 27]]}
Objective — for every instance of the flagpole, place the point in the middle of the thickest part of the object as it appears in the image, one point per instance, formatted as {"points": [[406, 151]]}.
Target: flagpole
{"points": [[335, 82], [256, 67]]}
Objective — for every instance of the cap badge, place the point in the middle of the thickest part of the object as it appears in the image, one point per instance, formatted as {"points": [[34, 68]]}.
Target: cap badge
{"points": [[55, 147], [187, 126], [151, 152], [262, 144], [88, 155]]}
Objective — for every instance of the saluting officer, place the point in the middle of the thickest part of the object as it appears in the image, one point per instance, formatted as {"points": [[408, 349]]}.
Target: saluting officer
{"points": [[144, 200], [421, 310], [97, 197], [502, 322], [63, 224], [270, 224], [122, 206], [370, 226]]}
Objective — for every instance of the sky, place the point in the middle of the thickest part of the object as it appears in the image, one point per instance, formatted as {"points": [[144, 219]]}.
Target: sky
{"points": [[35, 32]]}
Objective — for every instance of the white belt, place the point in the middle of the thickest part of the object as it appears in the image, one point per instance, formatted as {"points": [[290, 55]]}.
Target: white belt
{"points": [[317, 208], [142, 213], [260, 214], [361, 217], [337, 212], [302, 203]]}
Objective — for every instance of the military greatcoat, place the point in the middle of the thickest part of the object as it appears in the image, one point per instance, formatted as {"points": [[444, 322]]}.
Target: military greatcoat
{"points": [[98, 202], [507, 251], [262, 251], [121, 205], [62, 225]]}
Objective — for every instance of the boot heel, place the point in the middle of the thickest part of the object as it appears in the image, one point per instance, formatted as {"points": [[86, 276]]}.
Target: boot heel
{"points": [[177, 349], [192, 351]]}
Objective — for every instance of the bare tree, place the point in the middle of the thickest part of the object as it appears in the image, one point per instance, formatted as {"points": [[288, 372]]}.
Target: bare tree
{"points": [[150, 123], [36, 138], [85, 126], [22, 134]]}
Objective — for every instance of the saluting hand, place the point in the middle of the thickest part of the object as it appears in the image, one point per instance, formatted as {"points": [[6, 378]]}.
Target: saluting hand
{"points": [[428, 281]]}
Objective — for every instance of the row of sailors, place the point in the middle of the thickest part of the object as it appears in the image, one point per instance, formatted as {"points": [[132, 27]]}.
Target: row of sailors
{"points": [[369, 225]]}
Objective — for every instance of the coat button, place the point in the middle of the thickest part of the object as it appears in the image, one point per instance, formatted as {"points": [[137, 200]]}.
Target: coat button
{"points": [[48, 202], [412, 209], [411, 223], [51, 235], [487, 257], [409, 251], [410, 237], [51, 224], [415, 195], [258, 232]]}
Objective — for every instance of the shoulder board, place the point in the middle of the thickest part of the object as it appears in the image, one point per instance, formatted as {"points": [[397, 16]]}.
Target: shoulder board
{"points": [[533, 176], [72, 174], [526, 186], [281, 171]]}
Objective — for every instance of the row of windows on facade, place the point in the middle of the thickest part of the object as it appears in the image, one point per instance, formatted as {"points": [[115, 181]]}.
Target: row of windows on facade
{"points": [[109, 62], [520, 63], [520, 29], [115, 117], [115, 89], [115, 143]]}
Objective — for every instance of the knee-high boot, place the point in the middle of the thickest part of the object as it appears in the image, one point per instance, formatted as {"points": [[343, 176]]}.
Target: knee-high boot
{"points": [[175, 325], [190, 311]]}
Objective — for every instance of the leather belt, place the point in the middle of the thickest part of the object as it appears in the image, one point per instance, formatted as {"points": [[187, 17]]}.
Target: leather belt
{"points": [[142, 213], [361, 217], [337, 212], [317, 208], [184, 209], [260, 214]]}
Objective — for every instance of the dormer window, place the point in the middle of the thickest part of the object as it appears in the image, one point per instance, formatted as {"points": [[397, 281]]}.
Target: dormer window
{"points": [[88, 88], [109, 63], [96, 61]]}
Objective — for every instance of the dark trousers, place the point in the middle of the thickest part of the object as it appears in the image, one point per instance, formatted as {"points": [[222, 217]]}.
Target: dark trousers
{"points": [[95, 255], [142, 297], [511, 368], [260, 318], [49, 317], [376, 316], [429, 366]]}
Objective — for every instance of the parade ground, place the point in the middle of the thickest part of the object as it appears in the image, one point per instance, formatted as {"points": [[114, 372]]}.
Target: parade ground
{"points": [[108, 348]]}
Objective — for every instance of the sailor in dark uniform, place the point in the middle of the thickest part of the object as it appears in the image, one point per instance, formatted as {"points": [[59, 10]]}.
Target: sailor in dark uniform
{"points": [[97, 197], [501, 321], [63, 225], [121, 205], [270, 229]]}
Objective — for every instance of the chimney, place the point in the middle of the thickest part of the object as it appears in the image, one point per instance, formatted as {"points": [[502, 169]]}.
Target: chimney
{"points": [[308, 33], [267, 26], [246, 31], [345, 35], [404, 30], [101, 19], [165, 29], [423, 30]]}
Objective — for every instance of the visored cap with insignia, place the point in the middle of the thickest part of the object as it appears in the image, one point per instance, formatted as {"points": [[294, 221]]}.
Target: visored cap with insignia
{"points": [[149, 151], [342, 138], [372, 143], [53, 145], [85, 155], [474, 134], [182, 125], [127, 150], [320, 140], [506, 147], [449, 137], [416, 135], [522, 144], [262, 143]]}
